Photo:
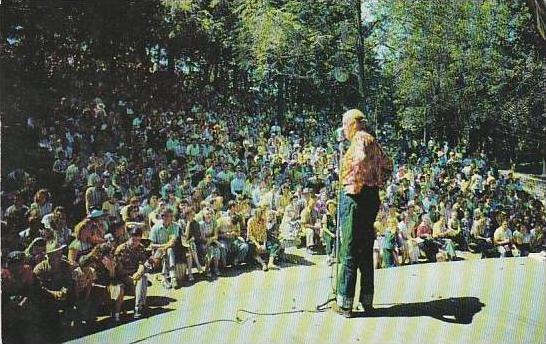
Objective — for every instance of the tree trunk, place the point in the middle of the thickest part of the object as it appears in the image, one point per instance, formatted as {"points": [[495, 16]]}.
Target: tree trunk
{"points": [[280, 96], [360, 54]]}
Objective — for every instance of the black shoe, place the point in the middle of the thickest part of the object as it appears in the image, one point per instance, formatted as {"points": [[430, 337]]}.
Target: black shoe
{"points": [[368, 309], [346, 312], [365, 309]]}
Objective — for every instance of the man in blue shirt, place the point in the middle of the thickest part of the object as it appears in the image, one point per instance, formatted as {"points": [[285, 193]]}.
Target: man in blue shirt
{"points": [[163, 237]]}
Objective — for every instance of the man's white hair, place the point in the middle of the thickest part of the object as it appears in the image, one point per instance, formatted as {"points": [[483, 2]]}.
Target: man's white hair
{"points": [[353, 115]]}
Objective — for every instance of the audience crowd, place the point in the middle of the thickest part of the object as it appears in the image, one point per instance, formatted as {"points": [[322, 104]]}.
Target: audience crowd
{"points": [[185, 193]]}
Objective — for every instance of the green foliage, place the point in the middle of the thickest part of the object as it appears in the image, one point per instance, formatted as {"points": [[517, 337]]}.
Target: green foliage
{"points": [[457, 70], [460, 66]]}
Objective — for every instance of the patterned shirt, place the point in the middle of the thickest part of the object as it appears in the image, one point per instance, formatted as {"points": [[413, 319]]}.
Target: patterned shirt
{"points": [[257, 230], [130, 257], [364, 164]]}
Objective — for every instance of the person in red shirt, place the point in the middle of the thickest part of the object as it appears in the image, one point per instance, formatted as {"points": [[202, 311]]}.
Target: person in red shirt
{"points": [[428, 244]]}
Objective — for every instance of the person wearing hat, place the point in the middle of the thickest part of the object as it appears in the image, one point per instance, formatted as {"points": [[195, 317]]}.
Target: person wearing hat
{"points": [[99, 225], [35, 251], [133, 263], [55, 287], [17, 276], [163, 238], [18, 295], [364, 169]]}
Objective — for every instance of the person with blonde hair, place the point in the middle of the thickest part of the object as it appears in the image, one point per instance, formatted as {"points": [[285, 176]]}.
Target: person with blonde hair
{"points": [[364, 169]]}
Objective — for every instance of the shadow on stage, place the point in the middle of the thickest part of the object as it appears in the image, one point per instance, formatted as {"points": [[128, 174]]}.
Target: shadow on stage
{"points": [[457, 310]]}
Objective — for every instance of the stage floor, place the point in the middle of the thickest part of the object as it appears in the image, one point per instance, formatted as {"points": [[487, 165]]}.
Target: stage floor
{"points": [[470, 301]]}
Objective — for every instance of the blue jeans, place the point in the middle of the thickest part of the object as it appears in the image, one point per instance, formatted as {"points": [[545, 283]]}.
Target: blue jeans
{"points": [[357, 215]]}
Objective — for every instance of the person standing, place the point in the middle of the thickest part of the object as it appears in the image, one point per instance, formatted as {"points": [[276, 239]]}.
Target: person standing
{"points": [[365, 168]]}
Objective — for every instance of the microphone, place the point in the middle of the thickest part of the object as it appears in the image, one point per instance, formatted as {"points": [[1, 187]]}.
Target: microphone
{"points": [[340, 136]]}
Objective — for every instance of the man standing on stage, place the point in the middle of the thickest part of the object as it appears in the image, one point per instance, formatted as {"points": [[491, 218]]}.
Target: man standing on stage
{"points": [[365, 168]]}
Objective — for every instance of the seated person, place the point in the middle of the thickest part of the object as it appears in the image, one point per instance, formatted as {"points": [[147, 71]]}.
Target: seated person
{"points": [[55, 288], [209, 232], [163, 238], [231, 242], [289, 228], [257, 235], [441, 233], [117, 233], [328, 230], [272, 244], [427, 244], [85, 240], [454, 231], [108, 277], [195, 242], [310, 224], [502, 239], [538, 242], [390, 244], [480, 242], [56, 221], [133, 264], [18, 301], [522, 240]]}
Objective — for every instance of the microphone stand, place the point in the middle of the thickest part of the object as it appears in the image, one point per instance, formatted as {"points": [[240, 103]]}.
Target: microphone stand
{"points": [[338, 219], [334, 272]]}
